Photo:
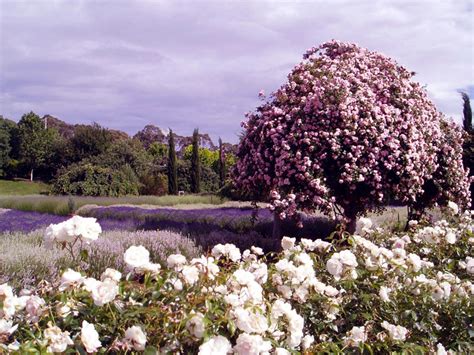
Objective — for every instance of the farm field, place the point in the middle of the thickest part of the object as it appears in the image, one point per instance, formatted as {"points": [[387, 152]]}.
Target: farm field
{"points": [[64, 205]]}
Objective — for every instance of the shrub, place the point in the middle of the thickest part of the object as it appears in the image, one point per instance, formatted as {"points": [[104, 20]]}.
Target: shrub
{"points": [[208, 177], [374, 293], [346, 131], [86, 179]]}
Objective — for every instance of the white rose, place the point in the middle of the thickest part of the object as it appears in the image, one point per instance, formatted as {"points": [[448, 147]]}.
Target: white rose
{"points": [[470, 265], [86, 228], [7, 327], [335, 267], [217, 345], [450, 238], [104, 292], [366, 223], [195, 325], [252, 344], [250, 322], [307, 341], [243, 277], [58, 341], [190, 274], [90, 337], [176, 261], [281, 351], [177, 284], [287, 243], [111, 274], [35, 308], [415, 261], [348, 258], [136, 337], [384, 293], [137, 256], [395, 332], [70, 278], [356, 336], [454, 207]]}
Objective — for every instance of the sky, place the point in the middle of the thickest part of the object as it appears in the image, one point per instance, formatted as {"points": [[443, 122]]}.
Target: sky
{"points": [[188, 64]]}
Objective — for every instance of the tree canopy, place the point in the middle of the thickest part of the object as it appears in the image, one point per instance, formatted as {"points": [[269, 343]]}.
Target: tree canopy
{"points": [[346, 132]]}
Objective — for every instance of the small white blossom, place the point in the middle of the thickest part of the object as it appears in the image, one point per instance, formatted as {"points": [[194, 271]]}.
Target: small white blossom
{"points": [[90, 337], [136, 337]]}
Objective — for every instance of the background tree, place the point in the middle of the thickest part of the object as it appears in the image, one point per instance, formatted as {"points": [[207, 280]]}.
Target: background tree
{"points": [[222, 167], [149, 135], [467, 112], [90, 140], [172, 166], [468, 145], [195, 164], [347, 130], [207, 157], [35, 142], [7, 128]]}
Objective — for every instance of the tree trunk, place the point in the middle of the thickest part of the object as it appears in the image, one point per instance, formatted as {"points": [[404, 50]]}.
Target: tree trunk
{"points": [[276, 226], [351, 220], [31, 175]]}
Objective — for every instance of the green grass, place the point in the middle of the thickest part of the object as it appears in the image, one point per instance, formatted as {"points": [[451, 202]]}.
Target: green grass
{"points": [[10, 187], [61, 205]]}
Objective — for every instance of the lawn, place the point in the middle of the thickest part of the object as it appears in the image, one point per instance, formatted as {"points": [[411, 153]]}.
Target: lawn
{"points": [[10, 187]]}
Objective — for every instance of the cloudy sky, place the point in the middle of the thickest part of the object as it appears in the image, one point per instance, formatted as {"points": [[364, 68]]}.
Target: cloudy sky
{"points": [[125, 64]]}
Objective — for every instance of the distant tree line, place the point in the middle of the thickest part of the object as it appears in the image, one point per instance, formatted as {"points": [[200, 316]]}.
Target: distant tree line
{"points": [[95, 161]]}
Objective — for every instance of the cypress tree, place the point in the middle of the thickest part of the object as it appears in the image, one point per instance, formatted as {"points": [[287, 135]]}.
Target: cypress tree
{"points": [[221, 164], [172, 167], [468, 144], [195, 165], [467, 112]]}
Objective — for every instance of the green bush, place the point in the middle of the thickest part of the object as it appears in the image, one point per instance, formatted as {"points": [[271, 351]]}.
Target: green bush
{"points": [[209, 178], [86, 179]]}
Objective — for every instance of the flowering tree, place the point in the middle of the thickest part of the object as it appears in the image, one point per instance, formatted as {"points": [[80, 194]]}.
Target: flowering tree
{"points": [[348, 131]]}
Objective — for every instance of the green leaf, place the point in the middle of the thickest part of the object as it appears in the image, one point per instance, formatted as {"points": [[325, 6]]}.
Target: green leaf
{"points": [[150, 350], [84, 254]]}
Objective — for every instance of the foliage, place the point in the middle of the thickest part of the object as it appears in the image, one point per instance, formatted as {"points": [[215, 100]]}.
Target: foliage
{"points": [[159, 152], [124, 152], [468, 145], [348, 129], [150, 135], [172, 166], [195, 164], [7, 129], [209, 179], [86, 179], [207, 157], [467, 112], [90, 140], [35, 142], [154, 182], [222, 169], [374, 293]]}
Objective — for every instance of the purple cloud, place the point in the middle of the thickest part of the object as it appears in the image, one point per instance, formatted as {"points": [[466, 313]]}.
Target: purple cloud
{"points": [[201, 64]]}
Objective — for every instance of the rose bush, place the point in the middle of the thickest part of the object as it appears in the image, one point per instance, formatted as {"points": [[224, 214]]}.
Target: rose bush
{"points": [[348, 132], [375, 292]]}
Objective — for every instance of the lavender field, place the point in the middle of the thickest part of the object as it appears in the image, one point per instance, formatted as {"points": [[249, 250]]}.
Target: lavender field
{"points": [[207, 226]]}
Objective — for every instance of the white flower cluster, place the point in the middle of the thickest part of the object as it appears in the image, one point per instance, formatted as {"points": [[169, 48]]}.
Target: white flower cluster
{"points": [[77, 227], [237, 302]]}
